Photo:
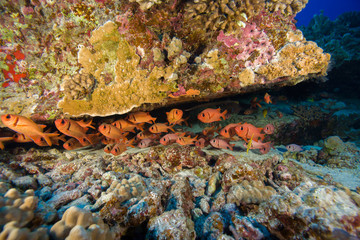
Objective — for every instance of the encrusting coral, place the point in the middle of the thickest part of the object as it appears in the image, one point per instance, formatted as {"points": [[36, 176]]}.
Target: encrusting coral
{"points": [[131, 86]]}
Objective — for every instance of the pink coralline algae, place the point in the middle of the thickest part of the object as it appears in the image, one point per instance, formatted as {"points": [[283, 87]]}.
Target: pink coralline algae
{"points": [[253, 47]]}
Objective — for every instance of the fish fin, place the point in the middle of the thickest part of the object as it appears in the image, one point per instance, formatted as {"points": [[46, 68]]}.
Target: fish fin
{"points": [[170, 127], [249, 144], [46, 137], [42, 126], [223, 114], [140, 126], [85, 124]]}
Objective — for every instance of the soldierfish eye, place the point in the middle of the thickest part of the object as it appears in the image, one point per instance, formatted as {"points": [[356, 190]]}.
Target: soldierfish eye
{"points": [[7, 116], [203, 115], [62, 121], [241, 128], [225, 130], [69, 144]]}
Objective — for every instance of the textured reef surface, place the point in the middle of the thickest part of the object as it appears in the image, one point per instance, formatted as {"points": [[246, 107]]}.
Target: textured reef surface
{"points": [[150, 158], [108, 57]]}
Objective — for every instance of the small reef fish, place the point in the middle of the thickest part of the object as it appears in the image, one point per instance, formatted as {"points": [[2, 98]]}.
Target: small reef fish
{"points": [[294, 148], [141, 117], [186, 140], [55, 141], [229, 130], [109, 147], [201, 143], [269, 129], [118, 149], [72, 129], [111, 131], [175, 116], [4, 139], [160, 128], [265, 112], [27, 127], [192, 92], [210, 115], [267, 98], [72, 144], [127, 126], [263, 147], [254, 103], [210, 131], [144, 143], [249, 111], [147, 134], [221, 143], [246, 130], [21, 138], [170, 138]]}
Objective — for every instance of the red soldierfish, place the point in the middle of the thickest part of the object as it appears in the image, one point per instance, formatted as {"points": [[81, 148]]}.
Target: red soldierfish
{"points": [[127, 126], [210, 115], [186, 140], [247, 131], [111, 131], [72, 144], [141, 117], [72, 129], [118, 149], [174, 116], [263, 147], [201, 143], [229, 130], [160, 128], [144, 143], [221, 143], [27, 127], [269, 129]]}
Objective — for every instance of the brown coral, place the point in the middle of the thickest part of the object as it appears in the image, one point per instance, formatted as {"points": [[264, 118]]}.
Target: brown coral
{"points": [[79, 86], [298, 60]]}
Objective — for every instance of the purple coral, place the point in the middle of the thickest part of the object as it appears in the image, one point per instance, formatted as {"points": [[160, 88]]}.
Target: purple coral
{"points": [[252, 46]]}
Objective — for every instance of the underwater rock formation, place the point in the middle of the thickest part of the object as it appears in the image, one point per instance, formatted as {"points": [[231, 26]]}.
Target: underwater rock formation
{"points": [[106, 57]]}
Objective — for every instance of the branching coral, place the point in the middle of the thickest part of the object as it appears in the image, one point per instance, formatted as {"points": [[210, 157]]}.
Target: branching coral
{"points": [[287, 7]]}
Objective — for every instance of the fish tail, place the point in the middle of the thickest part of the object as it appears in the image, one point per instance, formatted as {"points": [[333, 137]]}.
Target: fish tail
{"points": [[47, 139], [2, 146], [223, 114]]}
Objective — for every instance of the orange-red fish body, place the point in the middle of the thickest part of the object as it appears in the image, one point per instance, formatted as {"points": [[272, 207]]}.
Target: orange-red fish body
{"points": [[118, 149], [21, 138], [247, 131], [72, 129], [141, 117], [160, 128], [201, 143], [144, 143], [186, 140], [147, 134], [254, 103], [4, 139], [127, 126], [109, 147], [221, 143], [267, 98], [210, 131], [269, 129], [174, 115], [72, 144], [263, 147], [210, 115], [170, 138], [111, 131], [26, 126], [229, 130]]}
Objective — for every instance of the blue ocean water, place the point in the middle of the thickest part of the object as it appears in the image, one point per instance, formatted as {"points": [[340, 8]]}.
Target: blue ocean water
{"points": [[330, 8]]}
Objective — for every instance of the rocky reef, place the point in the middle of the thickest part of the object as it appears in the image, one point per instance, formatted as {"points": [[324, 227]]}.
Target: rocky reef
{"points": [[108, 57]]}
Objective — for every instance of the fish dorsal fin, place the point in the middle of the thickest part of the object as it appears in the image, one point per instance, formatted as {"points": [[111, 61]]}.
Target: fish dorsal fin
{"points": [[42, 126]]}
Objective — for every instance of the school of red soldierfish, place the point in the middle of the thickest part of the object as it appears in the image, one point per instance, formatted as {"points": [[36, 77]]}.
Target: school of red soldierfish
{"points": [[116, 135]]}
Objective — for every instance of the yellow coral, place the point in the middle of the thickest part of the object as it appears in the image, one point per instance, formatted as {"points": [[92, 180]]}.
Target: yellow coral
{"points": [[131, 86], [297, 60]]}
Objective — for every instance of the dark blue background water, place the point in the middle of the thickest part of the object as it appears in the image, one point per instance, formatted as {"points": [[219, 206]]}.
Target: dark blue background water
{"points": [[331, 8]]}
